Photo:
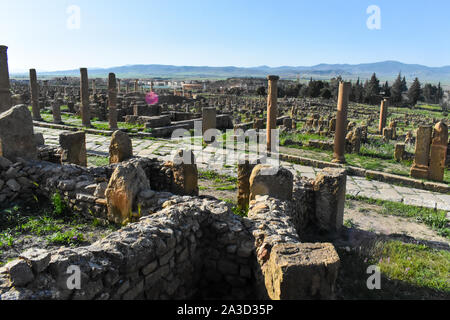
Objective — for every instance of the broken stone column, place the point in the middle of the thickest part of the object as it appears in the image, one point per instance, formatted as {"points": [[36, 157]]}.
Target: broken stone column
{"points": [[438, 151], [121, 148], [271, 181], [272, 109], [387, 134], [329, 189], [124, 186], [299, 271], [209, 121], [84, 92], [34, 91], [243, 195], [185, 173], [383, 115], [341, 122], [399, 152], [287, 123], [56, 110], [420, 165], [73, 145], [5, 93], [16, 134], [112, 101]]}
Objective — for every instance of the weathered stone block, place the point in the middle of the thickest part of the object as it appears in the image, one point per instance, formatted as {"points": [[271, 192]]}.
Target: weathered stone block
{"points": [[73, 145], [121, 148], [301, 271], [16, 134], [271, 181]]}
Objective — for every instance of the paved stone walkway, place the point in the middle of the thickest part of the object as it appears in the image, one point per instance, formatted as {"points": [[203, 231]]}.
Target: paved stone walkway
{"points": [[210, 158]]}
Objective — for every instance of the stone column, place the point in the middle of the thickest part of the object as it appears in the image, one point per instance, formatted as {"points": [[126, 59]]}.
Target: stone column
{"points": [[208, 122], [5, 94], [438, 152], [84, 93], [34, 90], [399, 152], [135, 85], [128, 88], [118, 85], [112, 101], [56, 110], [383, 115], [420, 165], [341, 123], [272, 109], [244, 173], [93, 87]]}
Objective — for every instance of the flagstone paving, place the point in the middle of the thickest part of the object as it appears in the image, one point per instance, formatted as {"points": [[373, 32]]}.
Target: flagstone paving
{"points": [[211, 158]]}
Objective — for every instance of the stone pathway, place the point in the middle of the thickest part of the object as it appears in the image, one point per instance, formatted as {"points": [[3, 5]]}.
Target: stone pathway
{"points": [[210, 158]]}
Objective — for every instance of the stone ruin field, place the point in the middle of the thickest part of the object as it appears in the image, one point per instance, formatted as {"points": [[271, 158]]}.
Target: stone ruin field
{"points": [[91, 176]]}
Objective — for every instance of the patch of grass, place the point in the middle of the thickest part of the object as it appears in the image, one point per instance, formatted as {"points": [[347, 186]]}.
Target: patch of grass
{"points": [[216, 177], [97, 161], [70, 237], [415, 264], [226, 188], [239, 212], [349, 223], [6, 240], [436, 219]]}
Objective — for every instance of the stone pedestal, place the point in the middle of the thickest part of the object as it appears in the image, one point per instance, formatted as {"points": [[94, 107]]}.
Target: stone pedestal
{"points": [[329, 188], [272, 108], [341, 123], [34, 91], [73, 145], [5, 94], [438, 151], [420, 165], [112, 101], [56, 110]]}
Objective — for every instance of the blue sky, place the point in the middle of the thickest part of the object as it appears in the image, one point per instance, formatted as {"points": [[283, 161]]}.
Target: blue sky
{"points": [[222, 33]]}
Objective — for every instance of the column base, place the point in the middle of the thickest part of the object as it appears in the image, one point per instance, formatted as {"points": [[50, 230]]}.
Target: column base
{"points": [[340, 160], [421, 172]]}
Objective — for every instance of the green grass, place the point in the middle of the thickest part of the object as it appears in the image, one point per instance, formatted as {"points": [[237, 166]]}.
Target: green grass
{"points": [[416, 264], [97, 161], [67, 238], [216, 177], [436, 219]]}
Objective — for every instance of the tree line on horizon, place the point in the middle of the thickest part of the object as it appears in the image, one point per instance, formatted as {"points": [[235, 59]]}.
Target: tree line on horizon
{"points": [[370, 92]]}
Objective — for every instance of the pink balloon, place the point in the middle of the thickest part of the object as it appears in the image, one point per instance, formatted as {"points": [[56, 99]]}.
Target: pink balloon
{"points": [[151, 98]]}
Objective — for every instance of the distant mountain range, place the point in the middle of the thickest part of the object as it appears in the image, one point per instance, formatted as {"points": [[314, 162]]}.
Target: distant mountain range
{"points": [[387, 70]]}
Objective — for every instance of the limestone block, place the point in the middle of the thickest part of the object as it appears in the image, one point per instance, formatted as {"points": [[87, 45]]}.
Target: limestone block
{"points": [[271, 181]]}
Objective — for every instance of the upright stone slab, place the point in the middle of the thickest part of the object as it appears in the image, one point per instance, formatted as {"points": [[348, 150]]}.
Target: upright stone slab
{"points": [[421, 162], [121, 148], [272, 108], [84, 92], [5, 93], [438, 152], [209, 121], [34, 91], [383, 115], [112, 101], [271, 181], [185, 173], [16, 134], [341, 123], [124, 186], [329, 189], [73, 145]]}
